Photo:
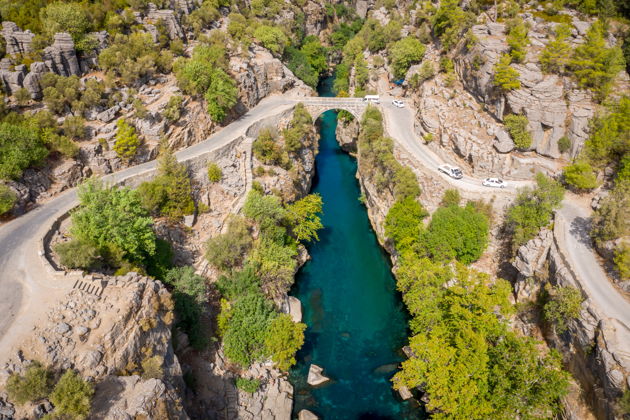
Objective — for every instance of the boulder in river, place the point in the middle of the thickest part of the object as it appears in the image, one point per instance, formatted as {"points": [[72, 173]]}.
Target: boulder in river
{"points": [[315, 376], [295, 309], [307, 415]]}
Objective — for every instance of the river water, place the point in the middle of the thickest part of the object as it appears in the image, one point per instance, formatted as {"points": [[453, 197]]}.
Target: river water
{"points": [[356, 320]]}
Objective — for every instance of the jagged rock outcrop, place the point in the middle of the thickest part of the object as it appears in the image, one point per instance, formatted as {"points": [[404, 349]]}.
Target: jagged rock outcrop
{"points": [[316, 376], [17, 42], [61, 57], [168, 17], [12, 79], [32, 81], [260, 75], [553, 105], [530, 260], [108, 336]]}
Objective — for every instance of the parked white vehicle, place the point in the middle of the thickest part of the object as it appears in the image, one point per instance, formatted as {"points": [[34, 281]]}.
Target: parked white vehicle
{"points": [[494, 183], [373, 99], [452, 171], [398, 103]]}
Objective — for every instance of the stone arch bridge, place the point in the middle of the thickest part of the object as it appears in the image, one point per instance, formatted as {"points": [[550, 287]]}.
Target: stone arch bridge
{"points": [[317, 105]]}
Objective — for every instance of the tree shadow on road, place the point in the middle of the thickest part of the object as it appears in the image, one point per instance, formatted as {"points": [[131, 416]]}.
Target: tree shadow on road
{"points": [[580, 229]]}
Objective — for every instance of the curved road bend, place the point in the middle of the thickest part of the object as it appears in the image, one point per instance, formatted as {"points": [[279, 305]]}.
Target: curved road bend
{"points": [[26, 292], [575, 220]]}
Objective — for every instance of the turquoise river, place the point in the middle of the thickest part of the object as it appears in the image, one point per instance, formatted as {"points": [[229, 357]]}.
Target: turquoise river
{"points": [[356, 321]]}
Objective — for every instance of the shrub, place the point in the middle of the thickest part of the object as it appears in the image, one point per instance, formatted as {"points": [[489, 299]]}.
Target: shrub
{"points": [[239, 283], [127, 141], [451, 198], [283, 340], [133, 57], [276, 265], [74, 127], [248, 385], [622, 261], [612, 218], [215, 174], [594, 65], [533, 209], [77, 254], [580, 175], [20, 148], [7, 199], [518, 41], [564, 144], [404, 53], [221, 96], [506, 77], [456, 232], [449, 22], [60, 92], [189, 294], [152, 367], [72, 396], [22, 96], [608, 142], [60, 144], [517, 127], [403, 222], [266, 149], [555, 57], [172, 111], [564, 304], [303, 217], [227, 250], [34, 385], [170, 192], [272, 38], [114, 218], [63, 17]]}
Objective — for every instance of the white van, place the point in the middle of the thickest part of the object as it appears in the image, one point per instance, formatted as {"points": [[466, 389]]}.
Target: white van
{"points": [[373, 99]]}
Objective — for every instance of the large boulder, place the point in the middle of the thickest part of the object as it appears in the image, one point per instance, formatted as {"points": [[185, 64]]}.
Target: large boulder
{"points": [[315, 376], [32, 81], [17, 42], [61, 57], [12, 79]]}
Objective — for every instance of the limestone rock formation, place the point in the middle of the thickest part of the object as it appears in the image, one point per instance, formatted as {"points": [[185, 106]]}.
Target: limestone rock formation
{"points": [[61, 57], [307, 415], [32, 81], [315, 376], [12, 79], [553, 105], [168, 17], [17, 42]]}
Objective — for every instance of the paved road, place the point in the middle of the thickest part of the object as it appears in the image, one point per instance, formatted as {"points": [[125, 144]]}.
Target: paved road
{"points": [[26, 293], [574, 227]]}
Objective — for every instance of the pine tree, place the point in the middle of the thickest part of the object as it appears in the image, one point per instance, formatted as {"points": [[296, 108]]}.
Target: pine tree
{"points": [[555, 57], [505, 76]]}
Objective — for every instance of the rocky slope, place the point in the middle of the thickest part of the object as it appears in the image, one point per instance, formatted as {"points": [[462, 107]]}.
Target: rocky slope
{"points": [[107, 338]]}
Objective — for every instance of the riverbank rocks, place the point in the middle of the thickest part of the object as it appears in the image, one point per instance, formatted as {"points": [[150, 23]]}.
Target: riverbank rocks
{"points": [[307, 415], [295, 309], [315, 376]]}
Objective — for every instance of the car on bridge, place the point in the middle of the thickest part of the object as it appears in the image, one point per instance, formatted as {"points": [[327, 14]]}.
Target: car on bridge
{"points": [[398, 103], [494, 183], [452, 171], [373, 99]]}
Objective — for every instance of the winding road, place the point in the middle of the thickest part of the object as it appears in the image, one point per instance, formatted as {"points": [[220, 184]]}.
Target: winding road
{"points": [[27, 291]]}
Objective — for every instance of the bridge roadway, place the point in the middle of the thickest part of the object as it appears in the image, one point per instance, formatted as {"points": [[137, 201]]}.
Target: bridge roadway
{"points": [[27, 292]]}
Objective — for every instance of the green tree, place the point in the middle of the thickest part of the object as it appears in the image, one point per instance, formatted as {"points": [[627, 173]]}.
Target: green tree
{"points": [[532, 209], [403, 223], [517, 40], [451, 198], [227, 250], [221, 96], [60, 144], [272, 38], [609, 141], [449, 22], [404, 53], [64, 17], [77, 254], [248, 385], [580, 175], [215, 174], [622, 261], [189, 293], [72, 397], [564, 144], [266, 148], [456, 232], [172, 111], [115, 218], [20, 148], [555, 57], [612, 218], [127, 141], [74, 127], [22, 96], [7, 199], [34, 385], [595, 66], [276, 265], [505, 76], [517, 127], [303, 217], [563, 304], [283, 340]]}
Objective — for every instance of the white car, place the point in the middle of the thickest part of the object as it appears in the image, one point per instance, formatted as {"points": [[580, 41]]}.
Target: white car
{"points": [[494, 183], [452, 171], [398, 103]]}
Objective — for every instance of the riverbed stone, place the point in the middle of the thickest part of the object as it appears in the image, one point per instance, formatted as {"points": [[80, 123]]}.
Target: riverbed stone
{"points": [[295, 309], [315, 376], [307, 415]]}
